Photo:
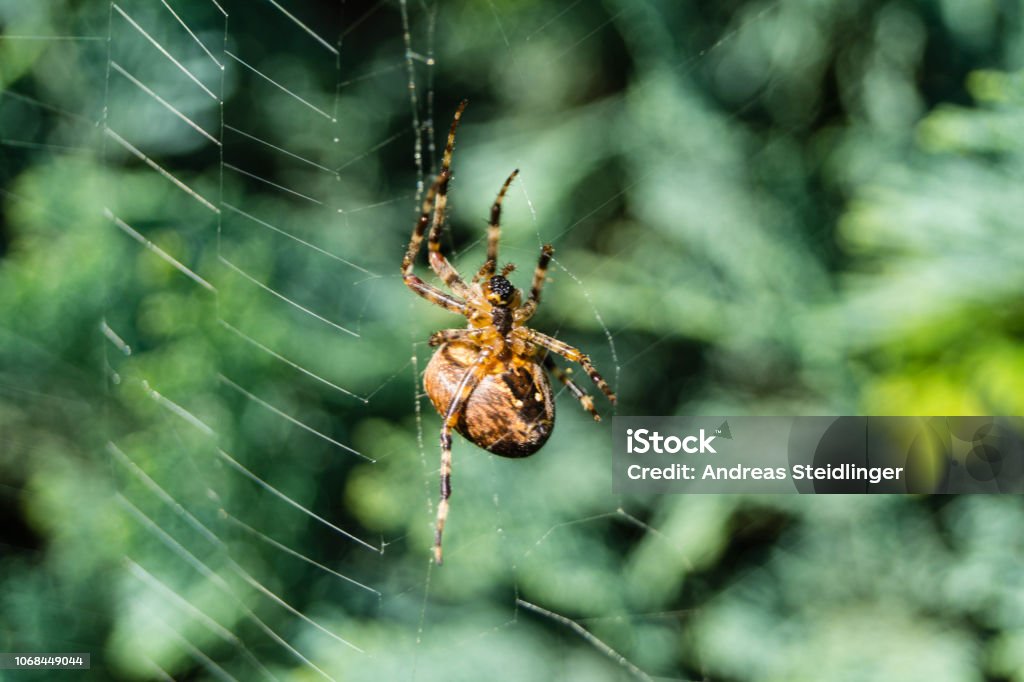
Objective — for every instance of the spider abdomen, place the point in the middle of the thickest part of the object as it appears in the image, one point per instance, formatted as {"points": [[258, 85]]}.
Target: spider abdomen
{"points": [[510, 412]]}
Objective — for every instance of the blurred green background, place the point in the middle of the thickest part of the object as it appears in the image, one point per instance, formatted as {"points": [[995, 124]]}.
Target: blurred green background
{"points": [[215, 460]]}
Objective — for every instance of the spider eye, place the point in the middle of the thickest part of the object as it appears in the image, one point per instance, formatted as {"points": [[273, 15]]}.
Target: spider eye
{"points": [[500, 289]]}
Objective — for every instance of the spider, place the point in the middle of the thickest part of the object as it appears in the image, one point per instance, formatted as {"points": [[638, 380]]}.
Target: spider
{"points": [[488, 380]]}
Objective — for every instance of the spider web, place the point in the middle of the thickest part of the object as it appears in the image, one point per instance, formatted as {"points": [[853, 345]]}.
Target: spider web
{"points": [[258, 324]]}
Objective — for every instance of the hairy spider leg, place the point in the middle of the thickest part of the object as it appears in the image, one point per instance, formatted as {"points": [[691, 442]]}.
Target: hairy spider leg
{"points": [[494, 232], [540, 273], [445, 270], [427, 291], [450, 335], [563, 376], [567, 352], [462, 392]]}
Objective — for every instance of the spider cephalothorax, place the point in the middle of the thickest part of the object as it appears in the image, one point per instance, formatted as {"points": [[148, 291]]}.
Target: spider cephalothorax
{"points": [[500, 292], [488, 381]]}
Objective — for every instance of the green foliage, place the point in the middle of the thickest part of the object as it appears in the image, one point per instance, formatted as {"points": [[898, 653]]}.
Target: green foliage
{"points": [[768, 208]]}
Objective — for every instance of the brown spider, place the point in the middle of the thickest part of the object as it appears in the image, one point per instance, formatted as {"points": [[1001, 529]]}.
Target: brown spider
{"points": [[487, 381]]}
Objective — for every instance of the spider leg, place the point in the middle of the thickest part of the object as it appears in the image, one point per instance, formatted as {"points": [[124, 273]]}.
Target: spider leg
{"points": [[431, 293], [540, 273], [494, 232], [445, 270], [450, 335], [567, 352], [465, 388], [585, 400]]}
